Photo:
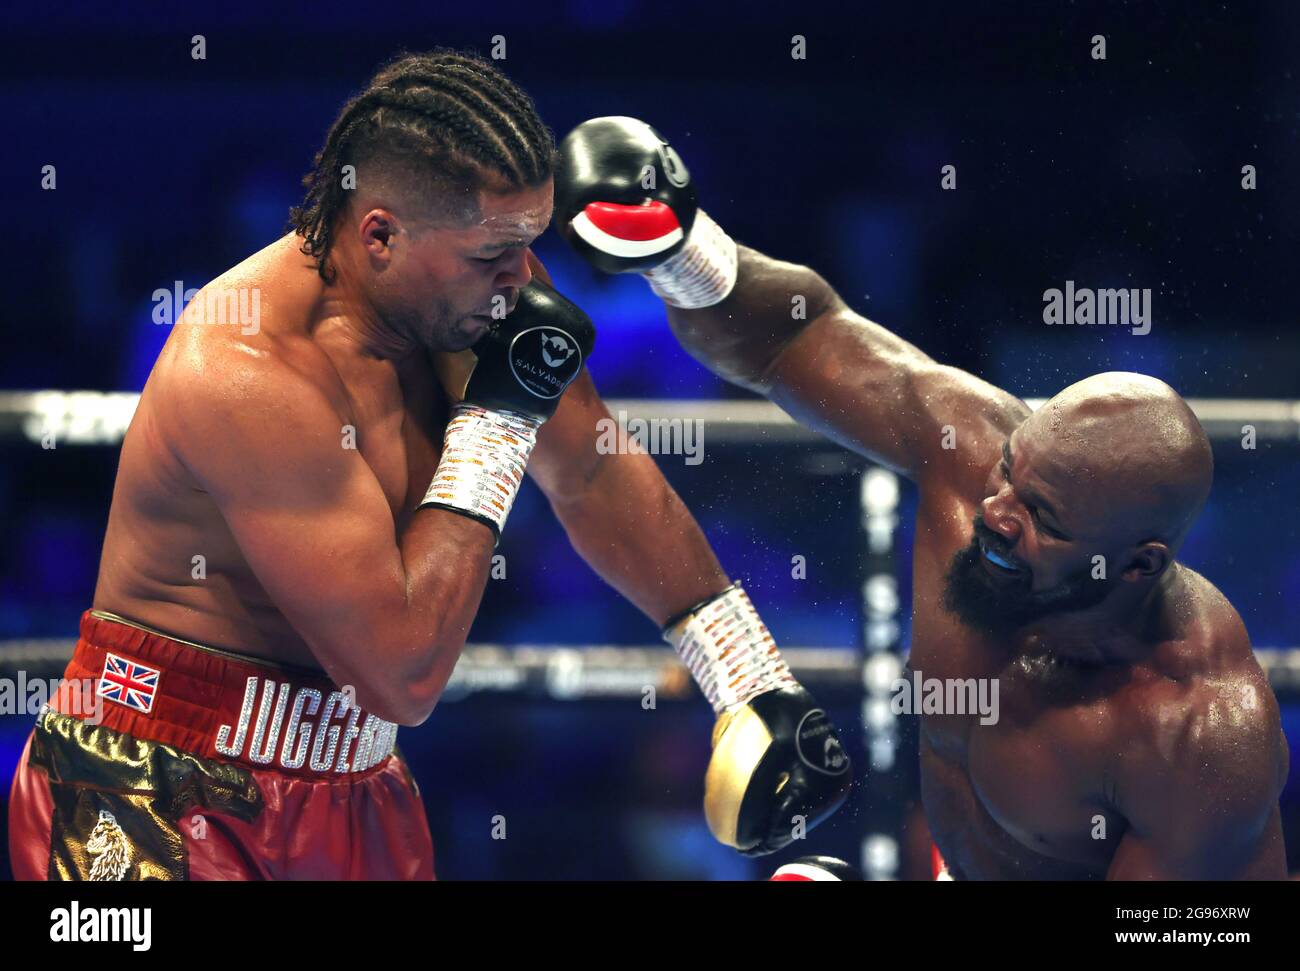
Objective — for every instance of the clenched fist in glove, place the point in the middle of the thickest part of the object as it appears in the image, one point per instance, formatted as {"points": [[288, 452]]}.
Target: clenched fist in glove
{"points": [[778, 768]]}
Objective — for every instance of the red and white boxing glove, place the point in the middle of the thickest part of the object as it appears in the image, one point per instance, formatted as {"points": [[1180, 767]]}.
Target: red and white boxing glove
{"points": [[819, 868], [624, 200]]}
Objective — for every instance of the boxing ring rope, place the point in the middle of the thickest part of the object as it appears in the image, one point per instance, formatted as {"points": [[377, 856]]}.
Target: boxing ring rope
{"points": [[568, 673], [562, 672], [558, 672], [102, 417]]}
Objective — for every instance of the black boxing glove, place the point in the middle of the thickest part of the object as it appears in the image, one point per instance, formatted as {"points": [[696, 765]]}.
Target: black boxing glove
{"points": [[623, 196], [527, 360], [523, 365]]}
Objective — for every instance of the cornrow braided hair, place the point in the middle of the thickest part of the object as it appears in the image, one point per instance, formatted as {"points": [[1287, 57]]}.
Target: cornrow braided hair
{"points": [[446, 121]]}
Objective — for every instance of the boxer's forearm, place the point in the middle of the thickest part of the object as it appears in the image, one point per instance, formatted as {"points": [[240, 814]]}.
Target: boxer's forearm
{"points": [[634, 530], [785, 333], [445, 560], [770, 305]]}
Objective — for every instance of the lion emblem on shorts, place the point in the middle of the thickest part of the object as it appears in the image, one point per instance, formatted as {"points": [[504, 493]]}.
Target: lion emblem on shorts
{"points": [[110, 847]]}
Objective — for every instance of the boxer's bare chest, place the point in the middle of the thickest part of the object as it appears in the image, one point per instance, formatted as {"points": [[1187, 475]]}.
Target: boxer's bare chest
{"points": [[1010, 747], [393, 417]]}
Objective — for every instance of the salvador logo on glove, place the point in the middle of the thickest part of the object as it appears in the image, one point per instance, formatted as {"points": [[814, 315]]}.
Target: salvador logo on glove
{"points": [[544, 360], [816, 737]]}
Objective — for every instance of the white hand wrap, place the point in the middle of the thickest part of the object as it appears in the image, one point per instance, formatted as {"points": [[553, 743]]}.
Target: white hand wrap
{"points": [[483, 458], [702, 273], [729, 651]]}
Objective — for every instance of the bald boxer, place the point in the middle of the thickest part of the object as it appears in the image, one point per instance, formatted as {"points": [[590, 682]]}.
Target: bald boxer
{"points": [[1137, 736], [305, 511]]}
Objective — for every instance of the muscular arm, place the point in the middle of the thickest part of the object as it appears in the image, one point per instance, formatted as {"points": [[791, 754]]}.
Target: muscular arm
{"points": [[384, 614], [839, 373], [619, 512]]}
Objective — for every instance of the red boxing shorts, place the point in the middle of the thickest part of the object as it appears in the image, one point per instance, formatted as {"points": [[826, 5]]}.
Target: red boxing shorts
{"points": [[197, 764]]}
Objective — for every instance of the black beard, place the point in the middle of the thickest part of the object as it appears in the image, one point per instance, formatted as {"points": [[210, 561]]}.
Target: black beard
{"points": [[990, 607]]}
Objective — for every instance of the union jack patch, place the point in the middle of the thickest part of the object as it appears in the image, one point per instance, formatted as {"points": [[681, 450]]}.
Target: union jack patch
{"points": [[129, 683]]}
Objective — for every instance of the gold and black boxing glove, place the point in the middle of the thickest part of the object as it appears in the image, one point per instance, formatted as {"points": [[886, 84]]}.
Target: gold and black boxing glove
{"points": [[778, 767]]}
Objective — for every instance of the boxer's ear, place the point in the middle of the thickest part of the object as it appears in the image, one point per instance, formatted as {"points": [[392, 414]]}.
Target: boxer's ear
{"points": [[453, 371], [1149, 561]]}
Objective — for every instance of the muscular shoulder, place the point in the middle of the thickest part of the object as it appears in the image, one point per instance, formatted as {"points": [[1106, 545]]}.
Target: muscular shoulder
{"points": [[1199, 636], [1203, 732], [208, 364], [222, 396], [246, 332], [1223, 724]]}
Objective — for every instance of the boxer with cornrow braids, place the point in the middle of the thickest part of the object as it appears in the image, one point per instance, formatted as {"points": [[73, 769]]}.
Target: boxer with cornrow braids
{"points": [[442, 118], [343, 463]]}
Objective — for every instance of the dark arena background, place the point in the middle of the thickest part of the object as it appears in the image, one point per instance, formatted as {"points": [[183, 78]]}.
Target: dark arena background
{"points": [[1172, 164]]}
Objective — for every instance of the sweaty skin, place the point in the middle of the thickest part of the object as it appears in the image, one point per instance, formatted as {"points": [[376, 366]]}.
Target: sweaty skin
{"points": [[1138, 737], [291, 457]]}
